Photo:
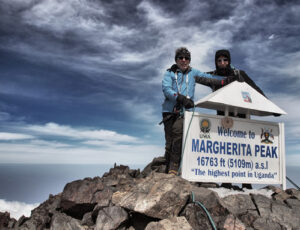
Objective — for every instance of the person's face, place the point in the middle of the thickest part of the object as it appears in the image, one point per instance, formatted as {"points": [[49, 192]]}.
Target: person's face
{"points": [[183, 62], [222, 62]]}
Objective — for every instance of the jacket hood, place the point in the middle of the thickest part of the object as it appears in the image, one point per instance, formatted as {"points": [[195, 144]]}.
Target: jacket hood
{"points": [[224, 53], [223, 71]]}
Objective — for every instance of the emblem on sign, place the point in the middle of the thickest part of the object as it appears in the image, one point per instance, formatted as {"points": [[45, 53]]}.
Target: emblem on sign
{"points": [[205, 128], [227, 122], [265, 136], [246, 97]]}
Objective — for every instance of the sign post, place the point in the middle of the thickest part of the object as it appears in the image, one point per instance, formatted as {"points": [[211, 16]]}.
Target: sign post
{"points": [[231, 149], [248, 152]]}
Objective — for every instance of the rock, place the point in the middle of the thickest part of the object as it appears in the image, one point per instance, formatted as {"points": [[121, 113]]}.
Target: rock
{"points": [[273, 188], [157, 165], [281, 196], [62, 221], [263, 204], [11, 223], [4, 219], [139, 221], [196, 217], [294, 193], [41, 216], [174, 223], [284, 215], [158, 196], [110, 218], [81, 196], [87, 219], [21, 221], [249, 217], [121, 171], [238, 204], [233, 223], [294, 204], [263, 223], [211, 201]]}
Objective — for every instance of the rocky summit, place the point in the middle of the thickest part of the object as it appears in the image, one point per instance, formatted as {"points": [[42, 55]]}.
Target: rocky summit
{"points": [[125, 199]]}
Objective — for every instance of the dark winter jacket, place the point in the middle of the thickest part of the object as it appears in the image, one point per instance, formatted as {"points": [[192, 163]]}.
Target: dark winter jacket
{"points": [[236, 75]]}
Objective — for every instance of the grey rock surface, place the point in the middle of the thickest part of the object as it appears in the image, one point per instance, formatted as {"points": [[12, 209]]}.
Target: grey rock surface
{"points": [[158, 196], [174, 223], [61, 221], [111, 218]]}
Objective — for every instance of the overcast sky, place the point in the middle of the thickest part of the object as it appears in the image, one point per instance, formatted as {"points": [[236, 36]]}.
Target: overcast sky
{"points": [[80, 80]]}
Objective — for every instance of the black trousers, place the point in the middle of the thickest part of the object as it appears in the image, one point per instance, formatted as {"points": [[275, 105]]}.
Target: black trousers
{"points": [[173, 126]]}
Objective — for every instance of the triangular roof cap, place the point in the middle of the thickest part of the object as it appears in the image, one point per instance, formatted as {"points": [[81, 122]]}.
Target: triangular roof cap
{"points": [[239, 97]]}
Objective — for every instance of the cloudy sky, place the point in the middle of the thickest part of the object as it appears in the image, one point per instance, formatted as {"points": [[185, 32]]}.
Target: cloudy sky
{"points": [[80, 80]]}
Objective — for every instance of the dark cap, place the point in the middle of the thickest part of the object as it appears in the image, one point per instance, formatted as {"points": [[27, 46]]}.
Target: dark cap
{"points": [[182, 51]]}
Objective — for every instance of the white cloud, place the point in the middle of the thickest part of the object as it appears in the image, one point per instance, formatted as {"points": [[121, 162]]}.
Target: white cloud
{"points": [[61, 16], [16, 209], [14, 136], [155, 16], [272, 36], [79, 133], [79, 154]]}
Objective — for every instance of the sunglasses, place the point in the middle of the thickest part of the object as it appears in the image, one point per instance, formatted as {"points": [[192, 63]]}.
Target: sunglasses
{"points": [[222, 59], [186, 58]]}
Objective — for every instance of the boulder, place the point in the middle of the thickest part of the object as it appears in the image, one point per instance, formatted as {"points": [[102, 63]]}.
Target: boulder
{"points": [[266, 223], [281, 196], [284, 215], [41, 216], [62, 221], [81, 196], [263, 204], [157, 196], [87, 219], [4, 219], [157, 165], [238, 204], [110, 218], [294, 193], [196, 217], [174, 223], [211, 201], [233, 223]]}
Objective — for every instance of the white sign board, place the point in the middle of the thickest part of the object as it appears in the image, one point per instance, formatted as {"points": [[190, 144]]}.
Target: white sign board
{"points": [[250, 151]]}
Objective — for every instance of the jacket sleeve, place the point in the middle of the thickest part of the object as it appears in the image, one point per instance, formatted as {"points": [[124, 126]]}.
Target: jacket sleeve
{"points": [[210, 80], [167, 88], [249, 81]]}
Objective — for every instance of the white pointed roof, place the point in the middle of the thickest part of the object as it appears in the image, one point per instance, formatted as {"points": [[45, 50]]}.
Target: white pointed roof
{"points": [[241, 98]]}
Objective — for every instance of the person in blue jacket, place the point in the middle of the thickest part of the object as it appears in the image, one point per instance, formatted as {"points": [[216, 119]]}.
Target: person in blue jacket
{"points": [[178, 87]]}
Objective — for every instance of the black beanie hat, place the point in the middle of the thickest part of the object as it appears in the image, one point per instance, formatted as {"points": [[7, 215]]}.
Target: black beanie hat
{"points": [[182, 51], [224, 53]]}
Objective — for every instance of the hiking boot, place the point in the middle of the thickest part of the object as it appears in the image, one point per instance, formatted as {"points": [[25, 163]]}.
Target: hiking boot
{"points": [[173, 172]]}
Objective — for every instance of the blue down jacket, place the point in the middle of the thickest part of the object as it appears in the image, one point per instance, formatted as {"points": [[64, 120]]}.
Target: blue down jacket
{"points": [[185, 85]]}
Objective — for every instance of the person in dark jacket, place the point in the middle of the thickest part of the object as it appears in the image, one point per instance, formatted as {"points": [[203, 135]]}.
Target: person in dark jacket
{"points": [[224, 68]]}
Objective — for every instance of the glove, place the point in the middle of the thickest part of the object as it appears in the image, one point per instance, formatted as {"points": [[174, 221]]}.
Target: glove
{"points": [[186, 102]]}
